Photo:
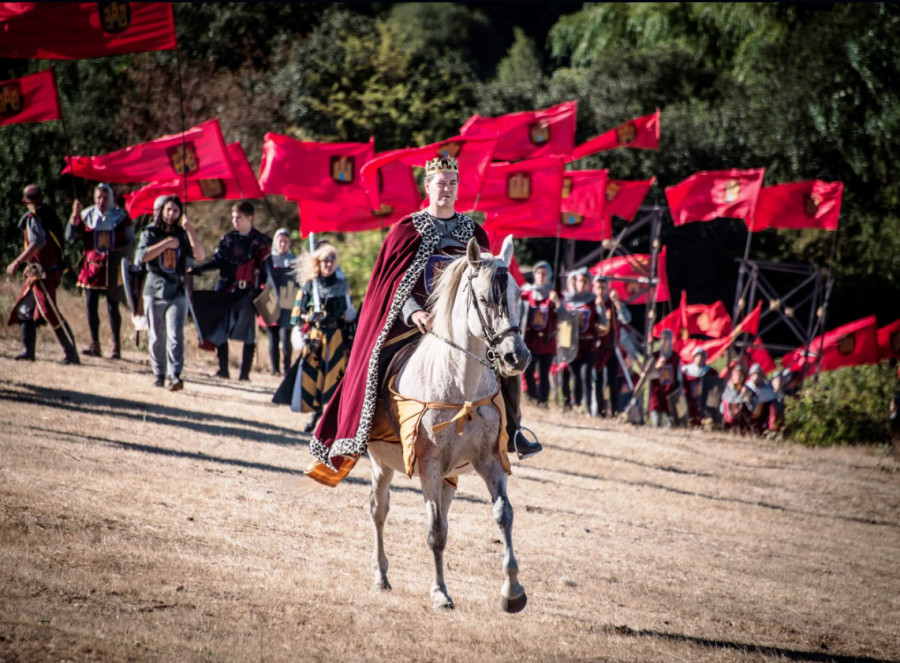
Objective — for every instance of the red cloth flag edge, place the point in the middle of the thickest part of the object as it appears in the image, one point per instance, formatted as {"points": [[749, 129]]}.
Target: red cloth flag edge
{"points": [[642, 133], [635, 266], [717, 347], [623, 198], [201, 154], [528, 134], [709, 195], [848, 345], [319, 217], [32, 98], [76, 30], [889, 341], [813, 204]]}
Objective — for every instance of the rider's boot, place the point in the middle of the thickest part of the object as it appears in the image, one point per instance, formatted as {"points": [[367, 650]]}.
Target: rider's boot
{"points": [[511, 389]]}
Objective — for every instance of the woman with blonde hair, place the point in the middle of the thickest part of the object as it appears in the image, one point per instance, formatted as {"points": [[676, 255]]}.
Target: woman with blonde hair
{"points": [[320, 306]]}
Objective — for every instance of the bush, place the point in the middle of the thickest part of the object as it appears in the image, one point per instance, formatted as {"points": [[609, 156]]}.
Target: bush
{"points": [[846, 406]]}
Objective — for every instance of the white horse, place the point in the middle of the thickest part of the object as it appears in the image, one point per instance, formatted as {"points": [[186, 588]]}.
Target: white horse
{"points": [[475, 337]]}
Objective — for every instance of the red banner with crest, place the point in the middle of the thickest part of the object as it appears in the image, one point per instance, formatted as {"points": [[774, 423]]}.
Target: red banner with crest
{"points": [[525, 194], [813, 204], [712, 320], [623, 198], [848, 345], [635, 266], [717, 347], [642, 132], [243, 185], [319, 217], [889, 341], [201, 154], [32, 98], [714, 194], [76, 30], [528, 134]]}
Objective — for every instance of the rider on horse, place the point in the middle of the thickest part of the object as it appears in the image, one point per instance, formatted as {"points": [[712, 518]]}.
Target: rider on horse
{"points": [[415, 249]]}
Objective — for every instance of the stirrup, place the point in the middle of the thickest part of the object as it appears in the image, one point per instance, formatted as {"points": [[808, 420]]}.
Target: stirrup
{"points": [[524, 447]]}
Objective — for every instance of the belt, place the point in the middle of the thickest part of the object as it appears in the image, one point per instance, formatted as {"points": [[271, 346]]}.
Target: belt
{"points": [[327, 325], [241, 285]]}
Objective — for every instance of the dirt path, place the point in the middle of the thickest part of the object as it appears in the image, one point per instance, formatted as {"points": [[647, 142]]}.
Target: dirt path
{"points": [[142, 525]]}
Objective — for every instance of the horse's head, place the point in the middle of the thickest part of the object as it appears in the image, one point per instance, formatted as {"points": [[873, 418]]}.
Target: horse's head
{"points": [[493, 310]]}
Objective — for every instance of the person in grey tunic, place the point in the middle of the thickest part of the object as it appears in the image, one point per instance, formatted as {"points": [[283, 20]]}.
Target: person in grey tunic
{"points": [[167, 247]]}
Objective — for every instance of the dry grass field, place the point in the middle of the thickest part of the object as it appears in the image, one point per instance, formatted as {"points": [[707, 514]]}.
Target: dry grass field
{"points": [[142, 525]]}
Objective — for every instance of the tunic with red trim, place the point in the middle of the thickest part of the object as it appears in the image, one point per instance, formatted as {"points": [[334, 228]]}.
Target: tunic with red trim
{"points": [[103, 237], [540, 332], [588, 318], [665, 383], [42, 228]]}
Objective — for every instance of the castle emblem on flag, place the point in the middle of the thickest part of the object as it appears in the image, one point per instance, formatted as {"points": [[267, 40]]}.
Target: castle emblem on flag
{"points": [[518, 186], [450, 149], [567, 186], [811, 204], [539, 133], [572, 219], [11, 99], [343, 169], [612, 190], [846, 344], [732, 191], [115, 17], [383, 211], [626, 133], [212, 188], [183, 159]]}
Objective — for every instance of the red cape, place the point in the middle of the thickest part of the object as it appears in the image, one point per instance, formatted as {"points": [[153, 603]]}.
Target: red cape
{"points": [[347, 419]]}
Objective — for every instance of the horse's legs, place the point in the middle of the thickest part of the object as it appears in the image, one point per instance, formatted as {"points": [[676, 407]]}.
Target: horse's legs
{"points": [[438, 496], [379, 504], [512, 594]]}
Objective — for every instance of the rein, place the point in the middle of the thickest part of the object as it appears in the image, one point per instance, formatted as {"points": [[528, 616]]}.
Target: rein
{"points": [[492, 338]]}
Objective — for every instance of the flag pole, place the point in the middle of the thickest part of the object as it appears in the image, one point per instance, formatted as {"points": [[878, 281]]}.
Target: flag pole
{"points": [[181, 106], [62, 118]]}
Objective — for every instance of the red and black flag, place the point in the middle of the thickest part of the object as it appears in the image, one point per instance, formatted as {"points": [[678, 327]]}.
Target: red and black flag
{"points": [[32, 98]]}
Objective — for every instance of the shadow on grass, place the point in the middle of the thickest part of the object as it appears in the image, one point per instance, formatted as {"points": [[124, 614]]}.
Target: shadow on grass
{"points": [[154, 413], [749, 648]]}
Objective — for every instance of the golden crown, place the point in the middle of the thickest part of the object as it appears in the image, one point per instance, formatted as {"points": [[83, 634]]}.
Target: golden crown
{"points": [[442, 165]]}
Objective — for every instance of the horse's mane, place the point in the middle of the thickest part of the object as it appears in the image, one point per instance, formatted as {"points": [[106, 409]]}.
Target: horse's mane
{"points": [[446, 286]]}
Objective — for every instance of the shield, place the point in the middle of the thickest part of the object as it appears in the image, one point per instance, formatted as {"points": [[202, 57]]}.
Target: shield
{"points": [[678, 406], [266, 303], [133, 277], [712, 391], [566, 335]]}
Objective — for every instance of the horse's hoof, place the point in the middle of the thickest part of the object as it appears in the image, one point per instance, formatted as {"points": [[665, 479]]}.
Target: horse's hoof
{"points": [[514, 605], [382, 586], [441, 605]]}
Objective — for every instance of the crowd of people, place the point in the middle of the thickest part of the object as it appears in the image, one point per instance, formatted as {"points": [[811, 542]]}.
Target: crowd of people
{"points": [[584, 352]]}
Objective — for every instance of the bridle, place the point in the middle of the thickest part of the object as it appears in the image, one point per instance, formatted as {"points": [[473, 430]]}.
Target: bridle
{"points": [[492, 338]]}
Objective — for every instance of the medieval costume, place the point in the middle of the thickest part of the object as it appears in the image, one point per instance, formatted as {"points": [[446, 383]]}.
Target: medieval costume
{"points": [[539, 335], [311, 381], [582, 305], [665, 383], [610, 314], [286, 286], [737, 402], [165, 296], [764, 415], [42, 234], [699, 382], [227, 312], [107, 237]]}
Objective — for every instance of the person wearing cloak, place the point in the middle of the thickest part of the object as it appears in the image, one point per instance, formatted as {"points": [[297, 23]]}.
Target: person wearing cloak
{"points": [[393, 314], [698, 379], [540, 302], [42, 258], [320, 307], [167, 247], [611, 312], [581, 303], [107, 235], [243, 261], [737, 401]]}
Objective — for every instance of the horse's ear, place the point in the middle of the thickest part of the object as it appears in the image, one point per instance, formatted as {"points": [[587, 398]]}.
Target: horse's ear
{"points": [[473, 253], [506, 251]]}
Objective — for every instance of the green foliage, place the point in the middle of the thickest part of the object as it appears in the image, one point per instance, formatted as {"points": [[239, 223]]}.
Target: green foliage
{"points": [[846, 406]]}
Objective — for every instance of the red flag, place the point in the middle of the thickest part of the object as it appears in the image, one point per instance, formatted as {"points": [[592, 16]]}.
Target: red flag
{"points": [[319, 217], [32, 98], [709, 195], [642, 132], [710, 320], [889, 341], [717, 347], [472, 153], [848, 345], [527, 192], [394, 188], [528, 134], [243, 186], [813, 204], [635, 266], [327, 172], [202, 155], [757, 353], [623, 198], [75, 30], [583, 203]]}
